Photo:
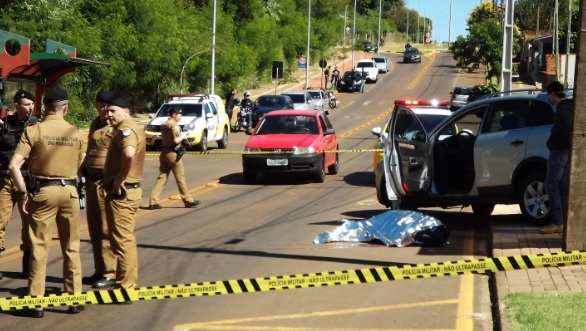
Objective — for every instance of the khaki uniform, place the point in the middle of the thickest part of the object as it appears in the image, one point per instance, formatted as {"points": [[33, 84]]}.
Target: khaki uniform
{"points": [[54, 151], [121, 213], [169, 162], [99, 138], [11, 133]]}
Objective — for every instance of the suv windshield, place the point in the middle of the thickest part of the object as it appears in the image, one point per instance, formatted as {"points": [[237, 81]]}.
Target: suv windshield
{"points": [[378, 59], [364, 65], [297, 98], [194, 110]]}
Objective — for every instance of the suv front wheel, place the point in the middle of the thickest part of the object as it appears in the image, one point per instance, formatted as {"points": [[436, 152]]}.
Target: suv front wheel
{"points": [[533, 199]]}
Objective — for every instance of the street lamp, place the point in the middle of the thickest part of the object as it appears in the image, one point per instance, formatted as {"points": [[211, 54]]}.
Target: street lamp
{"points": [[308, 37], [183, 70], [212, 80], [450, 25], [354, 34], [380, 9]]}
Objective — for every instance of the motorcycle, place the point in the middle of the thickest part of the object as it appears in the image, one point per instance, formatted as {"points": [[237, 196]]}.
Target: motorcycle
{"points": [[332, 100], [243, 119]]}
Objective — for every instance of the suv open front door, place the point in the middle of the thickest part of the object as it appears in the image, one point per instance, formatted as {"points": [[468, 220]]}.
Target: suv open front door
{"points": [[406, 156]]}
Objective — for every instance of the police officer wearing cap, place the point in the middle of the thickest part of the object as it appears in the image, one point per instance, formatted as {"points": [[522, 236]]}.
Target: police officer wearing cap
{"points": [[122, 176], [10, 131], [54, 150], [92, 168], [170, 160]]}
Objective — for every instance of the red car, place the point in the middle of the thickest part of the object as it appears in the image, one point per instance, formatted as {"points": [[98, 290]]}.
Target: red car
{"points": [[291, 142]]}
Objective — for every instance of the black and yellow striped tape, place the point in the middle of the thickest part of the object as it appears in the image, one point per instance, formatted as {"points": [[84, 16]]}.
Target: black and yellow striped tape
{"points": [[274, 283], [217, 152]]}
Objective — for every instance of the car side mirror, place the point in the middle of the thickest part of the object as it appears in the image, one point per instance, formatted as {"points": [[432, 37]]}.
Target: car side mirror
{"points": [[376, 131], [329, 131], [151, 116], [209, 115]]}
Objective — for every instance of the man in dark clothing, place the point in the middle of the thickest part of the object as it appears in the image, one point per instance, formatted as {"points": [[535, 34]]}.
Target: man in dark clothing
{"points": [[230, 103], [559, 142], [335, 78], [11, 130], [327, 76], [363, 75]]}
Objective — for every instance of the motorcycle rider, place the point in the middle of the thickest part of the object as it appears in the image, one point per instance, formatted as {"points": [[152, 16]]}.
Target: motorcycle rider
{"points": [[247, 103]]}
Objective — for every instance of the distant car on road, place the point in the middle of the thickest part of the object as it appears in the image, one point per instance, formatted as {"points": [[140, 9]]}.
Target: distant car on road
{"points": [[459, 96], [382, 63], [369, 46], [268, 103], [291, 142], [411, 55], [301, 100]]}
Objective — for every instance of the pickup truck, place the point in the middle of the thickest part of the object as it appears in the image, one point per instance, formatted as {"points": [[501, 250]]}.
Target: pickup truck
{"points": [[370, 67]]}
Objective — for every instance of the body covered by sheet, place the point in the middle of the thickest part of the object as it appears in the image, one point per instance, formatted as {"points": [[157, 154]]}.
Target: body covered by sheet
{"points": [[394, 228]]}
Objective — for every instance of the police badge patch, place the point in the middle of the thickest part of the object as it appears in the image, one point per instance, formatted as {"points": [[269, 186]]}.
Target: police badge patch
{"points": [[126, 132]]}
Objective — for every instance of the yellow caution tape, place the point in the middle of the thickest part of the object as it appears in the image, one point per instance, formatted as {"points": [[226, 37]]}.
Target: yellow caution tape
{"points": [[286, 282], [216, 152]]}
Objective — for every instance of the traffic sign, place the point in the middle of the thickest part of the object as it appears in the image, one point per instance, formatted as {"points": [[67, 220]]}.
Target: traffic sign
{"points": [[323, 63]]}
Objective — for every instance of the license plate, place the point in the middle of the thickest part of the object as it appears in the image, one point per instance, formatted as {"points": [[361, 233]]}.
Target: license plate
{"points": [[277, 162]]}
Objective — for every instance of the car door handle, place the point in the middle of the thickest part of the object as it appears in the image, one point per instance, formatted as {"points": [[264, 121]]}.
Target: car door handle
{"points": [[517, 142]]}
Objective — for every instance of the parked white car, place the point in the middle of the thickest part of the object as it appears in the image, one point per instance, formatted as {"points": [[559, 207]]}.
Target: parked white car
{"points": [[382, 63], [370, 67], [301, 100]]}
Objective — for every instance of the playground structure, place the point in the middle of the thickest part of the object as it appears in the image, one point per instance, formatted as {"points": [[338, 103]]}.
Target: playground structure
{"points": [[44, 69]]}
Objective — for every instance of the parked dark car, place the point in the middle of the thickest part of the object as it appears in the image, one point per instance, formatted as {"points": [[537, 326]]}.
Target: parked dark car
{"points": [[268, 103], [350, 82], [369, 46]]}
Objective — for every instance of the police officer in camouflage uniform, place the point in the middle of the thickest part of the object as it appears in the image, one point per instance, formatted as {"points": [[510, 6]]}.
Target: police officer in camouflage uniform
{"points": [[92, 168], [10, 131], [122, 175], [170, 160], [54, 150]]}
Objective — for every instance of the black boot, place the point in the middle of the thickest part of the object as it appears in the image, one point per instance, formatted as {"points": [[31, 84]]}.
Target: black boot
{"points": [[25, 265]]}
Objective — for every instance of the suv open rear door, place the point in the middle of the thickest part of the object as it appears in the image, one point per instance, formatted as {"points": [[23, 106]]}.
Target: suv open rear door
{"points": [[406, 160]]}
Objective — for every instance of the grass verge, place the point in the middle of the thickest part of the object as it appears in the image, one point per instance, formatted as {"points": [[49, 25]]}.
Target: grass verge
{"points": [[547, 311]]}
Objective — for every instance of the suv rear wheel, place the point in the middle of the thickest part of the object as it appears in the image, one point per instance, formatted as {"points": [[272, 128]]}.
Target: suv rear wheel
{"points": [[533, 199]]}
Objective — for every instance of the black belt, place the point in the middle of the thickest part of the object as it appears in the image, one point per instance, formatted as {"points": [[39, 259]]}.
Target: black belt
{"points": [[57, 182]]}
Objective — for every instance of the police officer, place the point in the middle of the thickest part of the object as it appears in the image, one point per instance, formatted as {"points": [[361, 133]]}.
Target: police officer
{"points": [[170, 160], [10, 131], [92, 168], [122, 176], [54, 150]]}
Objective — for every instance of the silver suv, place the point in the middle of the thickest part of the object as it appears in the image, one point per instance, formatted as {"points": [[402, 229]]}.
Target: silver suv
{"points": [[491, 151], [320, 99]]}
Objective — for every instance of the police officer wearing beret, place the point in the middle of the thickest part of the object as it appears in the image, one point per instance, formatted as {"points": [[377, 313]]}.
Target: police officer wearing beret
{"points": [[92, 168], [54, 150], [170, 160], [122, 176], [10, 131]]}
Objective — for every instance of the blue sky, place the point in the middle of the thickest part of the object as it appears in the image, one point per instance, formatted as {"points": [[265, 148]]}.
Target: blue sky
{"points": [[439, 12]]}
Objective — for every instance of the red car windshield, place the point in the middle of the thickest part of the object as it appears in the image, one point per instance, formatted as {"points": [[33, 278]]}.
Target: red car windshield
{"points": [[289, 124]]}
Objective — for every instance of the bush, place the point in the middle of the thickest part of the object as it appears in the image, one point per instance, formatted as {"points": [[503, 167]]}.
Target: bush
{"points": [[482, 89]]}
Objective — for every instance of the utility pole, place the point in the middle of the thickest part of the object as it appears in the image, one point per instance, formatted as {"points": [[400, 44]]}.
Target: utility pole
{"points": [[575, 229]]}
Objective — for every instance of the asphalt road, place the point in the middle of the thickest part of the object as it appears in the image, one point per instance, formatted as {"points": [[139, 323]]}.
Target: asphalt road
{"points": [[267, 229]]}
